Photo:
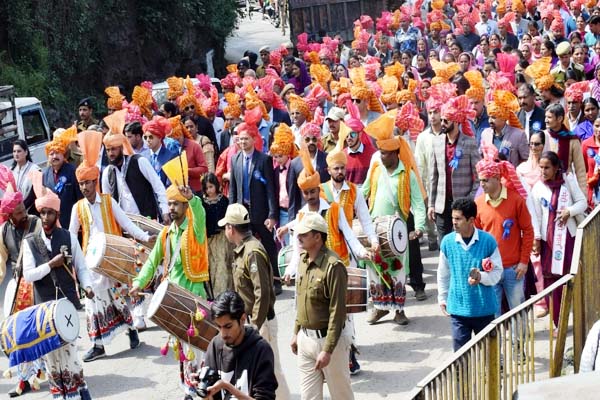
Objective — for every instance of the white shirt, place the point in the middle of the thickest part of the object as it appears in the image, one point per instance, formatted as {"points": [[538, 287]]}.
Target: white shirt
{"points": [[126, 200], [487, 278], [423, 154], [352, 242], [31, 273], [97, 226], [297, 135], [218, 125], [360, 210]]}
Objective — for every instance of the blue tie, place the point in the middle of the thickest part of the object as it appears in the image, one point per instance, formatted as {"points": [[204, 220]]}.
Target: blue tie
{"points": [[155, 162], [246, 180]]}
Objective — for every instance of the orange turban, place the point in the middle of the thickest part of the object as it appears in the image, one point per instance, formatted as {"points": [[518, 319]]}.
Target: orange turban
{"points": [[297, 103], [175, 88], [505, 105], [178, 129], [189, 99], [320, 73], [476, 90], [336, 157], [142, 98], [115, 98], [382, 130], [158, 126], [90, 143], [174, 194], [283, 141], [232, 109], [56, 145], [308, 177], [389, 84], [444, 71]]}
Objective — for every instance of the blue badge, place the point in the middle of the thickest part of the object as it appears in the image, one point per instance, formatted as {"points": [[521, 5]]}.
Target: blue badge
{"points": [[258, 176], [457, 156], [537, 125], [506, 226], [60, 185]]}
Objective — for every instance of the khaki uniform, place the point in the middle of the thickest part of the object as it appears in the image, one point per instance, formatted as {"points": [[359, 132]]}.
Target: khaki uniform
{"points": [[82, 125], [328, 143], [253, 280], [321, 313]]}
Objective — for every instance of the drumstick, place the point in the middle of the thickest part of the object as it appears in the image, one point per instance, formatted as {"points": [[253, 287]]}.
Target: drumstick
{"points": [[375, 267]]}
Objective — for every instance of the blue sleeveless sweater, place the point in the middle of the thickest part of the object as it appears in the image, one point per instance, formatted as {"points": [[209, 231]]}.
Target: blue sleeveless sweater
{"points": [[463, 299]]}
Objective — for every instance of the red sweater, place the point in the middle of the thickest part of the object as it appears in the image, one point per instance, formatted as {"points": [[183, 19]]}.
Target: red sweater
{"points": [[517, 247], [358, 164], [196, 164]]}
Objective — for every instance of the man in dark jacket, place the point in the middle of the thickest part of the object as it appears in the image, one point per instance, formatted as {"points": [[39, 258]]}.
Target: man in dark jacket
{"points": [[243, 359]]}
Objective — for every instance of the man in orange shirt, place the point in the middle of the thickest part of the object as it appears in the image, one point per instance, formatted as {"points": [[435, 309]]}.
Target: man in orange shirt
{"points": [[502, 212]]}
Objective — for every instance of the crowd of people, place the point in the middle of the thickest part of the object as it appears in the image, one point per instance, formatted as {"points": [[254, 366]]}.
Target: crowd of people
{"points": [[469, 127]]}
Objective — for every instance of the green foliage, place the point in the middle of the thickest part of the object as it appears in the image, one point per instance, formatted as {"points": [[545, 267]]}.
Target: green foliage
{"points": [[58, 50]]}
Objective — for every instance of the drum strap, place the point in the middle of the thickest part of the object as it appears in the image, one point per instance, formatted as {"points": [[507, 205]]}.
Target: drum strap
{"points": [[43, 251]]}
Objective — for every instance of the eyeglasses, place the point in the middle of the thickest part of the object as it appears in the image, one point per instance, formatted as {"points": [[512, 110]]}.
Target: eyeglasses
{"points": [[535, 144], [353, 135], [309, 139], [444, 121], [190, 107], [357, 101]]}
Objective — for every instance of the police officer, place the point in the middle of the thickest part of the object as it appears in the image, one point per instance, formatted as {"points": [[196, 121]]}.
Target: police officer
{"points": [[85, 109], [321, 286], [252, 279]]}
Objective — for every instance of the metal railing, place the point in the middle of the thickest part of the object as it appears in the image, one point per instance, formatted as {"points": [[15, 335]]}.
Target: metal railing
{"points": [[512, 349]]}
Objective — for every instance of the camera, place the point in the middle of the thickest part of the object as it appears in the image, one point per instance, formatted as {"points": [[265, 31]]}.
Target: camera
{"points": [[207, 378]]}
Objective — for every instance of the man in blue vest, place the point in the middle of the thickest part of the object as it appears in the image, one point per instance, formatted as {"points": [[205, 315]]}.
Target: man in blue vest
{"points": [[469, 267]]}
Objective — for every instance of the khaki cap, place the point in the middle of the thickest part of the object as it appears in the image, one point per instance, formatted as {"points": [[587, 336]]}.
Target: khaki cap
{"points": [[311, 221], [236, 214], [563, 48]]}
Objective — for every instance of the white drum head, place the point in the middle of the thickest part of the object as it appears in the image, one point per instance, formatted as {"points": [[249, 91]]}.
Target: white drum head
{"points": [[9, 297], [66, 320], [95, 250], [398, 237], [157, 298]]}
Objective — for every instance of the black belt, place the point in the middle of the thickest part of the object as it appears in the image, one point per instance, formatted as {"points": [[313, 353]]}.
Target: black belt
{"points": [[315, 333]]}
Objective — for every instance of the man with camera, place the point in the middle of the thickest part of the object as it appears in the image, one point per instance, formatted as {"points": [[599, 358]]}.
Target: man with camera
{"points": [[53, 262], [238, 363]]}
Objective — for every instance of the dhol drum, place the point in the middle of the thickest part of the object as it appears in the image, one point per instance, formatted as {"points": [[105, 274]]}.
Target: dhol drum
{"points": [[115, 257], [392, 233], [283, 260], [35, 331], [176, 309], [17, 298], [358, 292], [148, 225]]}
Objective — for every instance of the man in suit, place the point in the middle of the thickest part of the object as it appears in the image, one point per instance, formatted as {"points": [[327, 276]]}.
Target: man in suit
{"points": [[531, 117], [452, 165], [505, 131], [506, 37], [252, 186], [311, 135], [154, 134], [59, 176]]}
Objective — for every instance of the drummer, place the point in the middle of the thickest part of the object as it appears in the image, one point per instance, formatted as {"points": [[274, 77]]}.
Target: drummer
{"points": [[12, 231], [45, 266], [189, 227], [97, 213], [392, 188]]}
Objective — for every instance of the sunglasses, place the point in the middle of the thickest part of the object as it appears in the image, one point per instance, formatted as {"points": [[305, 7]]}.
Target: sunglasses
{"points": [[357, 101], [535, 144], [191, 107], [309, 139], [353, 135]]}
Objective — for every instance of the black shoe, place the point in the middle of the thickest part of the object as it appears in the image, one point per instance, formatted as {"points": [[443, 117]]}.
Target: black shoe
{"points": [[134, 340], [26, 388], [94, 353], [433, 246], [353, 362], [277, 287], [420, 295]]}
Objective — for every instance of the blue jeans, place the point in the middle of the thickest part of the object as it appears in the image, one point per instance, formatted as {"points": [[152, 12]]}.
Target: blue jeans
{"points": [[512, 287], [463, 327], [284, 218]]}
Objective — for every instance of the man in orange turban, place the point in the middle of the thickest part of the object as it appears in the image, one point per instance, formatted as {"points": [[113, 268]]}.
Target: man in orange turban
{"points": [[505, 131], [392, 188]]}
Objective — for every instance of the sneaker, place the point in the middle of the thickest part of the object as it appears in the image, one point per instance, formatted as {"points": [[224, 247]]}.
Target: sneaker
{"points": [[139, 324], [433, 246], [134, 340], [400, 318], [353, 364], [277, 287], [420, 295], [376, 315], [94, 353], [21, 388], [541, 312]]}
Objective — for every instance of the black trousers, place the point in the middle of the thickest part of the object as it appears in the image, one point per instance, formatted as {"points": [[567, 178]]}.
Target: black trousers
{"points": [[443, 222], [415, 276], [268, 241]]}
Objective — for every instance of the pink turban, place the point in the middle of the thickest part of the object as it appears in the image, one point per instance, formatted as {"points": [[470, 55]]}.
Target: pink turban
{"points": [[49, 200], [310, 129], [9, 202]]}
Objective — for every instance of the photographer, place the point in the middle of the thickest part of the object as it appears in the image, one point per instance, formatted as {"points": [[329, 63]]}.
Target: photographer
{"points": [[242, 358]]}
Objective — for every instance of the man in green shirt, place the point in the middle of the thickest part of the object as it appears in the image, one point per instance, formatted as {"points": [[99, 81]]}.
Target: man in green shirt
{"points": [[321, 285]]}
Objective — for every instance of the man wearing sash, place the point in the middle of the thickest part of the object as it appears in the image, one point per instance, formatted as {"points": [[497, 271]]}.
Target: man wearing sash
{"points": [[392, 188], [182, 248], [13, 231], [107, 313], [45, 266]]}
